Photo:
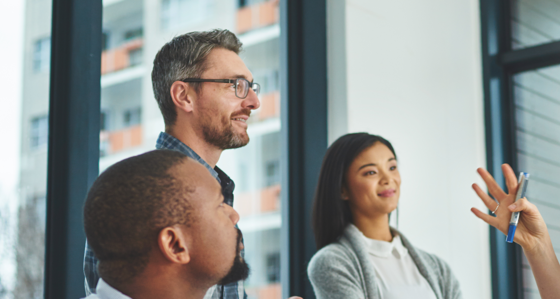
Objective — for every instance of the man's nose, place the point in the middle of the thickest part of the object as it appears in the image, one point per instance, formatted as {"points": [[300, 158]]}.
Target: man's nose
{"points": [[234, 216], [252, 100]]}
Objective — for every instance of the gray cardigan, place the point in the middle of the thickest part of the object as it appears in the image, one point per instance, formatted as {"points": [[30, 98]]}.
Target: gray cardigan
{"points": [[344, 270]]}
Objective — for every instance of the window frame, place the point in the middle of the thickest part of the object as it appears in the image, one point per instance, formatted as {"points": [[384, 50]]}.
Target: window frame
{"points": [[73, 146], [303, 88], [500, 63], [74, 123]]}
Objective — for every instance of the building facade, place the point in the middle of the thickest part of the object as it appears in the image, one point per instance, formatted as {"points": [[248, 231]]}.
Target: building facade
{"points": [[133, 32]]}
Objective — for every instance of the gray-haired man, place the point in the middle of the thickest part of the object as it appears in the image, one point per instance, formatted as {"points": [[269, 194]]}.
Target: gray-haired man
{"points": [[205, 93]]}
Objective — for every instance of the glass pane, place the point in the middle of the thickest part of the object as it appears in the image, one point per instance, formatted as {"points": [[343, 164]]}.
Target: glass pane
{"points": [[131, 121], [534, 22], [537, 102], [25, 29]]}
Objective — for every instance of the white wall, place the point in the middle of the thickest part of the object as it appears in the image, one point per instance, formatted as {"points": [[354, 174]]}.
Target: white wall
{"points": [[410, 71]]}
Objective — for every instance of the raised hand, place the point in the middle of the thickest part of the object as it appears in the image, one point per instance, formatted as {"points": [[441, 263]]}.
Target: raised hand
{"points": [[531, 229]]}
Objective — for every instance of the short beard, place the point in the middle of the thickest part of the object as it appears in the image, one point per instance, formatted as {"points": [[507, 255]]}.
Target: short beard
{"points": [[240, 269], [223, 136]]}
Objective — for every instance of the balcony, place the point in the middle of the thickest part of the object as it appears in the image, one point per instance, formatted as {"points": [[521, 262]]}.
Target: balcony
{"points": [[262, 201], [111, 142], [271, 291], [257, 16], [270, 106], [122, 57]]}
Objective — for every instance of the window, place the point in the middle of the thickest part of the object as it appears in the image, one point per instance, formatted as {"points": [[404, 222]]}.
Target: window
{"points": [[132, 117], [104, 41], [24, 119], [103, 121], [537, 118], [521, 60], [126, 89], [534, 22], [133, 34], [273, 267], [135, 57], [39, 132], [42, 55]]}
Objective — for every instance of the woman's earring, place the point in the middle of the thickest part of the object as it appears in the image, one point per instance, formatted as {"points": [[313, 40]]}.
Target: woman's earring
{"points": [[397, 217]]}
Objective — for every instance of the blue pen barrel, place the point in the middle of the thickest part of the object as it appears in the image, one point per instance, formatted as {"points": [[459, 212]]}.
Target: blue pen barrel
{"points": [[521, 189], [511, 233]]}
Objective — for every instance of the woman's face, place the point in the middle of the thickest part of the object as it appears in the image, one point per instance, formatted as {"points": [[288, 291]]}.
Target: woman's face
{"points": [[373, 182]]}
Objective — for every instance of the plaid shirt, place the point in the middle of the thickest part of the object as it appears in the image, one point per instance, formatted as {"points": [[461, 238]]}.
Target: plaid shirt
{"points": [[230, 291]]}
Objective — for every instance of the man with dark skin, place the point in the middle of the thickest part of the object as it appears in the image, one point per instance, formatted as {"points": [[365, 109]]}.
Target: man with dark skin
{"points": [[160, 228]]}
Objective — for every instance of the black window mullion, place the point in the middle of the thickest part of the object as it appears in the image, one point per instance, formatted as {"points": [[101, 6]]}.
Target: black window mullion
{"points": [[304, 133], [531, 58], [73, 154], [500, 134]]}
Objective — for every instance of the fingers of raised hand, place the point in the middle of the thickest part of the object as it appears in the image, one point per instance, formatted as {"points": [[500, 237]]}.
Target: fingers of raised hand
{"points": [[511, 180], [493, 187], [488, 201], [493, 221]]}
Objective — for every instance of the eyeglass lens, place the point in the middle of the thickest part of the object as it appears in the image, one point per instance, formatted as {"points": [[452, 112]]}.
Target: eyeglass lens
{"points": [[242, 88]]}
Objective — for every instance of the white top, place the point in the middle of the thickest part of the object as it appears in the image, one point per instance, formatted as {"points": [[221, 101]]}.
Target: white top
{"points": [[105, 291], [396, 271]]}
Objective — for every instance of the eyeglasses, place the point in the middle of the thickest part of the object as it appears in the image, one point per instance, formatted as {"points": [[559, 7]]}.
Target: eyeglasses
{"points": [[242, 85]]}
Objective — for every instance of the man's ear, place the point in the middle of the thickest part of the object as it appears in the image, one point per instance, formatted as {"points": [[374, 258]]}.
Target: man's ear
{"points": [[183, 95], [172, 242]]}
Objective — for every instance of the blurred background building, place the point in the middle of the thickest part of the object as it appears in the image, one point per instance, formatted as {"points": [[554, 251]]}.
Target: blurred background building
{"points": [[133, 32]]}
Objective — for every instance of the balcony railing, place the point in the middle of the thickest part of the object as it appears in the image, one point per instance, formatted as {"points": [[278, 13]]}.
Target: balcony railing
{"points": [[258, 202], [122, 57], [270, 105], [257, 16], [115, 141], [271, 291]]}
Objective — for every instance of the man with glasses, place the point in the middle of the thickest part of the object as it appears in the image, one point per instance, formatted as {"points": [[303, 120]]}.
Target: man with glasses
{"points": [[206, 94]]}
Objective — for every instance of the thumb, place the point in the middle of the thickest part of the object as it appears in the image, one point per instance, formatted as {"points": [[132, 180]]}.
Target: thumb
{"points": [[523, 205]]}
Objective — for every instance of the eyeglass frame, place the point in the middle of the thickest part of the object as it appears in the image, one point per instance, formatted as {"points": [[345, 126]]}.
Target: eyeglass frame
{"points": [[250, 84]]}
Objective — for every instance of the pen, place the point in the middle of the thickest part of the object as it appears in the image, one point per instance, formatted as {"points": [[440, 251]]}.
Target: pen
{"points": [[523, 181]]}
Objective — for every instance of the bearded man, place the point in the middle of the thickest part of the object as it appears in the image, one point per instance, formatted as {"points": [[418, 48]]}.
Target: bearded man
{"points": [[206, 94], [159, 227]]}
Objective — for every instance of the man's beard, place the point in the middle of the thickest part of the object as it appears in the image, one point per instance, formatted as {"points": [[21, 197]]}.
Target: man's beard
{"points": [[240, 269], [223, 136]]}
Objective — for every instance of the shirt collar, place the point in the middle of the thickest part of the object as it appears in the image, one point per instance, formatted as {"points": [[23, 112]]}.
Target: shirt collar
{"points": [[166, 141], [106, 291], [384, 249]]}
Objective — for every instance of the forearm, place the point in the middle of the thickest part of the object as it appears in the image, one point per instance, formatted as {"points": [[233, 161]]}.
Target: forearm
{"points": [[546, 268]]}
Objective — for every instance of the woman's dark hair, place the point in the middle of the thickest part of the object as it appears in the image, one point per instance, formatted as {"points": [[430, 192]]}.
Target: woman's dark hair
{"points": [[331, 214]]}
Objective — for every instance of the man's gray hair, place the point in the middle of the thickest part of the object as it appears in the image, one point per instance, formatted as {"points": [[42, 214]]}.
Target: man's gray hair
{"points": [[185, 57]]}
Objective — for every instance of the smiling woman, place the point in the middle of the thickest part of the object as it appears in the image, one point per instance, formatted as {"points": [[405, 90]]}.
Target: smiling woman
{"points": [[360, 255]]}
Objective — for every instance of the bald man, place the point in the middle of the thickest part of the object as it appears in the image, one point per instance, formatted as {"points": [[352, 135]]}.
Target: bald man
{"points": [[159, 226]]}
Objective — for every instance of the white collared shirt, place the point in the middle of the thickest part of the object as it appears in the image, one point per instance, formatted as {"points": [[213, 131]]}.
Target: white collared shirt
{"points": [[105, 291], [396, 271]]}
